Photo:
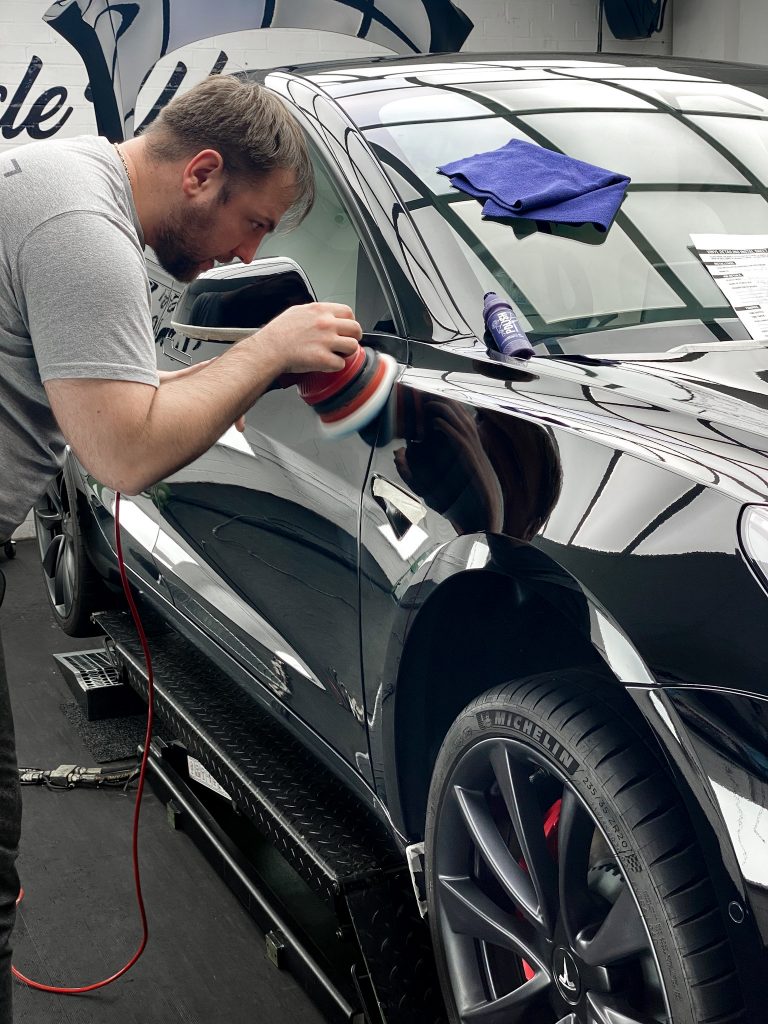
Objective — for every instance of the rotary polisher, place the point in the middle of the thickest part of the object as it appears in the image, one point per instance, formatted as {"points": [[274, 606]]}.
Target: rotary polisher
{"points": [[347, 400]]}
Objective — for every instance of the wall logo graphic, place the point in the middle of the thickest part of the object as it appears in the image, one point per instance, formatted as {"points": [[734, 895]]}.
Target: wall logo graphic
{"points": [[44, 118], [51, 110], [120, 42]]}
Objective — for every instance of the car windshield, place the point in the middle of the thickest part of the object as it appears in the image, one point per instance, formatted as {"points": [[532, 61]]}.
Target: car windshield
{"points": [[696, 151]]}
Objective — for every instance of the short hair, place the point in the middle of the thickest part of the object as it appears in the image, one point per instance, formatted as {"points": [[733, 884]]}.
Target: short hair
{"points": [[250, 126]]}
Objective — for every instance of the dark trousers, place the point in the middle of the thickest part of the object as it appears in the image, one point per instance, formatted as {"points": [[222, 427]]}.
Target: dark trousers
{"points": [[10, 827]]}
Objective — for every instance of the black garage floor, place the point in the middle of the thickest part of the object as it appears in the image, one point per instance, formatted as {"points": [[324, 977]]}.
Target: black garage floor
{"points": [[205, 961]]}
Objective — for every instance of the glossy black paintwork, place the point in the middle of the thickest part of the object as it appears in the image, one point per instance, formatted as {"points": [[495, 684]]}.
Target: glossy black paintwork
{"points": [[630, 526], [502, 518]]}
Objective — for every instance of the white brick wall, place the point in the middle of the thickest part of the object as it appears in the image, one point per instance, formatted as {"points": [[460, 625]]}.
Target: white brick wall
{"points": [[548, 25], [736, 30]]}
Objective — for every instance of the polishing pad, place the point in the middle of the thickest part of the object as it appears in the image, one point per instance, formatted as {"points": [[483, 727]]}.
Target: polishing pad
{"points": [[347, 400]]}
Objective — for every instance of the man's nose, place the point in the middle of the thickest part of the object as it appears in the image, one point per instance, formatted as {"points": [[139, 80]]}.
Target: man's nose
{"points": [[247, 250]]}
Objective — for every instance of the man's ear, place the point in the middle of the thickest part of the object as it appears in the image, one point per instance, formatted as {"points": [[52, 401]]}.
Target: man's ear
{"points": [[204, 170]]}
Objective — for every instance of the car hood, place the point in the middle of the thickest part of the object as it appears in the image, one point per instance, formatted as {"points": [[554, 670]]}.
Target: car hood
{"points": [[725, 384]]}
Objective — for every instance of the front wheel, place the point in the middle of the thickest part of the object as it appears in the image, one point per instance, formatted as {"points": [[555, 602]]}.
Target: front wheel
{"points": [[564, 881]]}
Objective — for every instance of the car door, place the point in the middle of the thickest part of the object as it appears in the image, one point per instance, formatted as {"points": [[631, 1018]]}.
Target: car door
{"points": [[260, 535]]}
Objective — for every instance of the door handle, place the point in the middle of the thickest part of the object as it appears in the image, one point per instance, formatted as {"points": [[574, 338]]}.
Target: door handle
{"points": [[402, 509]]}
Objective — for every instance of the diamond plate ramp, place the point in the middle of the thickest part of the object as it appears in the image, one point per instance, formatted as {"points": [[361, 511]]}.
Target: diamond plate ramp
{"points": [[338, 846], [323, 831]]}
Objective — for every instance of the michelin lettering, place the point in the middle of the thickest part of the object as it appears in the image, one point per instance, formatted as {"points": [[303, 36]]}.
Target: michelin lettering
{"points": [[518, 723]]}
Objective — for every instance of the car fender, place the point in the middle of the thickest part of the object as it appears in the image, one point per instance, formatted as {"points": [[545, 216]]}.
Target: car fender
{"points": [[475, 611]]}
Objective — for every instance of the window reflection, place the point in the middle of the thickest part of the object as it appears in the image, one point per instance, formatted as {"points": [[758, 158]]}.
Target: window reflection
{"points": [[651, 147], [691, 96], [425, 147], [746, 140], [668, 218], [561, 282], [559, 93], [497, 72], [617, 72], [696, 150]]}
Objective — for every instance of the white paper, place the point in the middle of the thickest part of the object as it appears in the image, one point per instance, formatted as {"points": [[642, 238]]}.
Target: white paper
{"points": [[200, 774], [739, 266]]}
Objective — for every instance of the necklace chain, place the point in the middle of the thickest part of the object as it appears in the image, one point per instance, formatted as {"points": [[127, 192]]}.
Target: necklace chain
{"points": [[125, 165]]}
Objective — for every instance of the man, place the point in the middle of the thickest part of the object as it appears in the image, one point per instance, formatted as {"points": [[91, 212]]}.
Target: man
{"points": [[219, 168]]}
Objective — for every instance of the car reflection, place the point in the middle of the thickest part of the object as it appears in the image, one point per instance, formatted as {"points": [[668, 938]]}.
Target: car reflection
{"points": [[480, 469]]}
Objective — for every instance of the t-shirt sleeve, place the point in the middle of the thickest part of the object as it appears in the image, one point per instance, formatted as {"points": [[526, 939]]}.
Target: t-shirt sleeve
{"points": [[86, 297]]}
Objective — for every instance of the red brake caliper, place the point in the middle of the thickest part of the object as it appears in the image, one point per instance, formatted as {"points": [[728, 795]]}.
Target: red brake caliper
{"points": [[551, 819]]}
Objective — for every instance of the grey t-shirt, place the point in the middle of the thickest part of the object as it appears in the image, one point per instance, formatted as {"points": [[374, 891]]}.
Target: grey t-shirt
{"points": [[74, 298]]}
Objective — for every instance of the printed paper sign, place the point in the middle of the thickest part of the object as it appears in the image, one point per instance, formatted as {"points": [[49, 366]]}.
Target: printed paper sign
{"points": [[739, 266], [204, 777]]}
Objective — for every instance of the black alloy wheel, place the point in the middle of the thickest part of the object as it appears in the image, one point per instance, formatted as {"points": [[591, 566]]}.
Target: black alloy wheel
{"points": [[564, 882], [73, 587]]}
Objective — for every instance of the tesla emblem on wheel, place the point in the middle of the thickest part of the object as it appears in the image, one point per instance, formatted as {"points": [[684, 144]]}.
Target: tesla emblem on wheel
{"points": [[564, 980], [567, 975]]}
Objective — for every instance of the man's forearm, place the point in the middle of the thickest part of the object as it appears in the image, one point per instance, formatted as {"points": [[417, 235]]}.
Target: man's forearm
{"points": [[187, 416]]}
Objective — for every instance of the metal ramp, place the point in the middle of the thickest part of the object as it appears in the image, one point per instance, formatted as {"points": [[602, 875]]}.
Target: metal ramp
{"points": [[340, 850]]}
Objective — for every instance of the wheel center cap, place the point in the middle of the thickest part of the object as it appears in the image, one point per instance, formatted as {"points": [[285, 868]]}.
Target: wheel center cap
{"points": [[566, 975]]}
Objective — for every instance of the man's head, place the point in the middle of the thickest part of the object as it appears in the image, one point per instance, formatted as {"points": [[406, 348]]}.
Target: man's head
{"points": [[230, 162]]}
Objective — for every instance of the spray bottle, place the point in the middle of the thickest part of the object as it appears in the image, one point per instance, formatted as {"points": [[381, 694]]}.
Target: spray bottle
{"points": [[504, 327]]}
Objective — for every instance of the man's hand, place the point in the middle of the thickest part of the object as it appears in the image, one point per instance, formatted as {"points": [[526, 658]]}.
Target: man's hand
{"points": [[308, 338]]}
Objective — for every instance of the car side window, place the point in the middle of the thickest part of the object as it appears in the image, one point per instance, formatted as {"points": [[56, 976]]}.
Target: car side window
{"points": [[327, 247]]}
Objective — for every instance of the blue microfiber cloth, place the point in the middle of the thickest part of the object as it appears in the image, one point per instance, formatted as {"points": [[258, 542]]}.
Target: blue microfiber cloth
{"points": [[524, 180]]}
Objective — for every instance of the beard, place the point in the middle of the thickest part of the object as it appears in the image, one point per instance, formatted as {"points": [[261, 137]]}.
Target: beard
{"points": [[180, 243]]}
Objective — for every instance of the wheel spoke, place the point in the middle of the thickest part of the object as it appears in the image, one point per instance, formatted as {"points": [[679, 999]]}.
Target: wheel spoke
{"points": [[575, 830], [54, 494], [59, 573], [602, 1009], [507, 1009], [523, 808], [515, 881], [67, 570], [52, 555], [621, 935], [49, 518], [469, 911]]}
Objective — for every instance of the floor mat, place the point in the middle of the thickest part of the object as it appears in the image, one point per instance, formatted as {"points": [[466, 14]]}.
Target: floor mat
{"points": [[108, 739]]}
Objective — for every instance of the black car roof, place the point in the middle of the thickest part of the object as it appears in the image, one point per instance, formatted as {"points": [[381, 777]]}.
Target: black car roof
{"points": [[396, 67], [337, 78]]}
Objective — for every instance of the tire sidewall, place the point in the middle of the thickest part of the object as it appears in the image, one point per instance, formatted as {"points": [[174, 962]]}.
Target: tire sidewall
{"points": [[505, 719]]}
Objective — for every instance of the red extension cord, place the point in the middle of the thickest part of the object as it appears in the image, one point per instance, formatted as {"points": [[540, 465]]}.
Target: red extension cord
{"points": [[79, 989]]}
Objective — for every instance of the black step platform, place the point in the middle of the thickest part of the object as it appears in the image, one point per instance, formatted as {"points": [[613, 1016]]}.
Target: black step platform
{"points": [[96, 684], [333, 842]]}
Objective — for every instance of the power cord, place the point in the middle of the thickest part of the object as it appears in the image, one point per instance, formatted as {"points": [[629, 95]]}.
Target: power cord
{"points": [[80, 989], [69, 776]]}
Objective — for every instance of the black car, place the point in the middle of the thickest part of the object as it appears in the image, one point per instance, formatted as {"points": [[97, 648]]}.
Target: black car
{"points": [[523, 616]]}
